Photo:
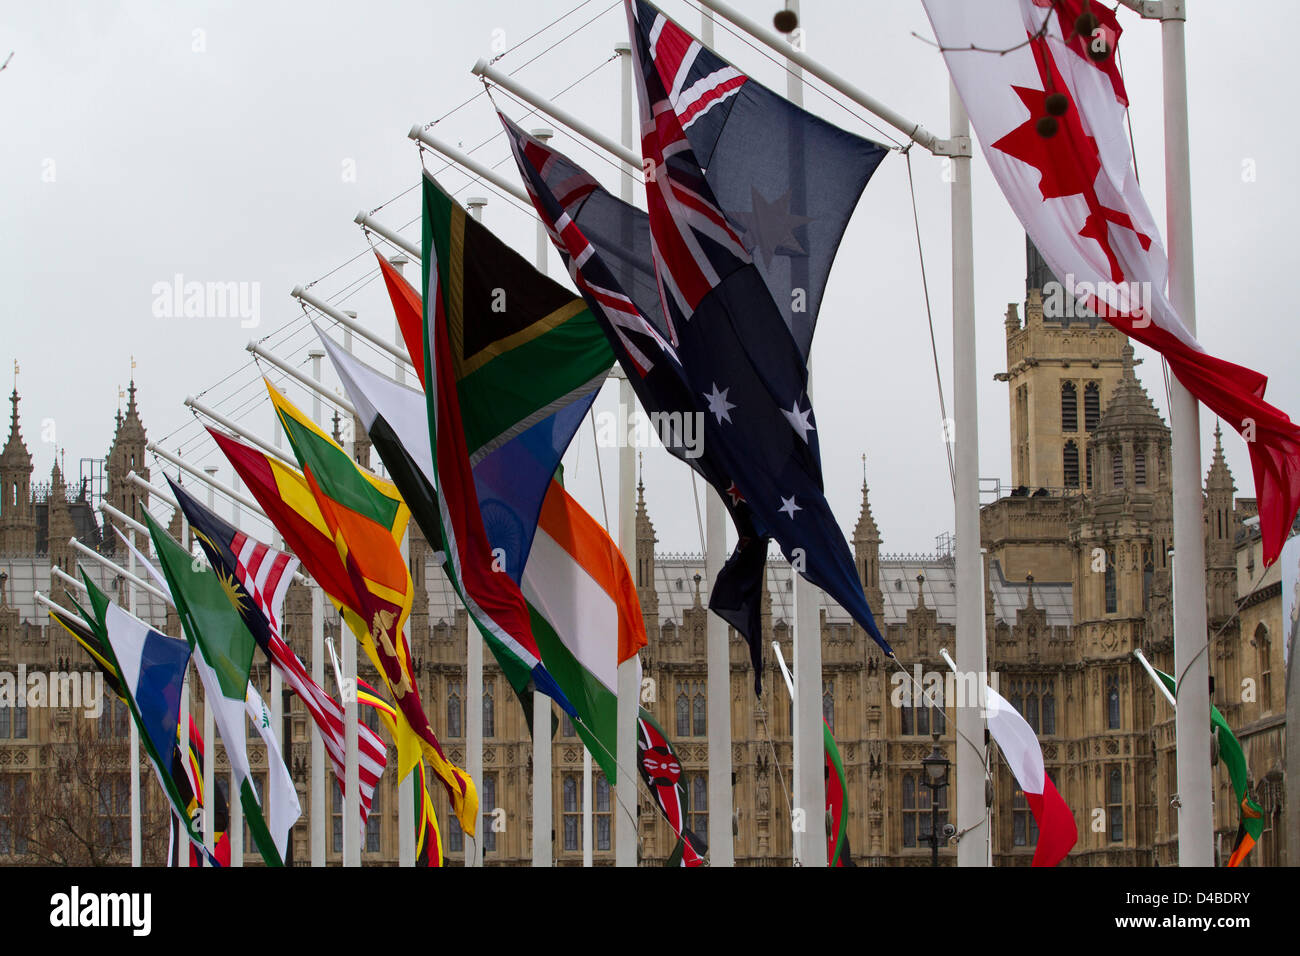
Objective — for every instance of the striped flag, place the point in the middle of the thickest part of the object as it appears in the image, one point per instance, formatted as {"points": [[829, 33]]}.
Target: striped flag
{"points": [[263, 574]]}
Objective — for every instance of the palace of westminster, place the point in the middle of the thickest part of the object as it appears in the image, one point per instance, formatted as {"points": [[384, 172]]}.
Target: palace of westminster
{"points": [[1078, 576]]}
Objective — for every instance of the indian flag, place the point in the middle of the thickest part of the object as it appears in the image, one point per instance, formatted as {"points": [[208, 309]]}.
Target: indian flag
{"points": [[581, 594]]}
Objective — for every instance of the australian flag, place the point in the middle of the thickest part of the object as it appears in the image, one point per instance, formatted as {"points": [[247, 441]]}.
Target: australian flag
{"points": [[696, 324]]}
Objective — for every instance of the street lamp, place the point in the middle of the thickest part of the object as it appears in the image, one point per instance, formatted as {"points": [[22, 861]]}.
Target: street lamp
{"points": [[935, 765]]}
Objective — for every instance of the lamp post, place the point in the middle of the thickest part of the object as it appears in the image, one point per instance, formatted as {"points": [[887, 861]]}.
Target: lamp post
{"points": [[935, 765]]}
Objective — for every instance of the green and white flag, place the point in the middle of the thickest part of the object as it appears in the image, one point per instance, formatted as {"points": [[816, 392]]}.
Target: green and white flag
{"points": [[212, 623]]}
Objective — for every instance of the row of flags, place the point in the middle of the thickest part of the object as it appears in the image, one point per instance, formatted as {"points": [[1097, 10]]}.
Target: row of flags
{"points": [[708, 301]]}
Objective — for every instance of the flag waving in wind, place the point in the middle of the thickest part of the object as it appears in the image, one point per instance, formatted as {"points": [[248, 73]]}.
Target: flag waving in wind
{"points": [[726, 360], [261, 576], [1050, 115]]}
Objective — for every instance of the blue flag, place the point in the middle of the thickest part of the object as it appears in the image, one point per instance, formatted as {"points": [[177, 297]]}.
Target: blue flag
{"points": [[724, 357]]}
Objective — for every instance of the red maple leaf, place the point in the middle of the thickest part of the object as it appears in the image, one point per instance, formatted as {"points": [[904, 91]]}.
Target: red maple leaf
{"points": [[1068, 161]]}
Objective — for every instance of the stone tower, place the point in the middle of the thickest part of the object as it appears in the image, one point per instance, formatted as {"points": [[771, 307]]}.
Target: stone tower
{"points": [[126, 456], [17, 516], [1124, 533], [1061, 364]]}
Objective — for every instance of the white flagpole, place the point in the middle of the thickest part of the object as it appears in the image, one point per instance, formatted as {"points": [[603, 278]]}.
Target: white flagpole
{"points": [[236, 807], [1191, 628], [183, 845], [135, 733], [209, 725], [629, 688], [722, 851], [406, 787], [351, 769], [474, 684], [320, 811], [808, 831], [543, 776], [972, 814]]}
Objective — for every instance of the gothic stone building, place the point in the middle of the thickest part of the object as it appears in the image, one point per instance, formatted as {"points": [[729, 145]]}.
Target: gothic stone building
{"points": [[1077, 574]]}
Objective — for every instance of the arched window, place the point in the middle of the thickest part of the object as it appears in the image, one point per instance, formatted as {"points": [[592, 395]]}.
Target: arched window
{"points": [[1148, 577], [909, 810], [683, 711], [572, 813], [699, 712], [1031, 708], [1117, 470], [1049, 711], [828, 703], [1071, 463], [1112, 588], [698, 817], [1069, 407], [1140, 468], [1115, 804], [1112, 703], [601, 813], [453, 709], [1262, 648], [489, 711], [1024, 826], [488, 803], [1091, 406], [1088, 459]]}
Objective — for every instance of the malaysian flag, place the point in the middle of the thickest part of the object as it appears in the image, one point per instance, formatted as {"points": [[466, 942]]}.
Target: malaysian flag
{"points": [[263, 575]]}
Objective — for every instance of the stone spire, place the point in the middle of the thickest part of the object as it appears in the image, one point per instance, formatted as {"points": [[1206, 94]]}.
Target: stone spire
{"points": [[866, 548], [125, 456], [17, 517], [645, 561], [1220, 521]]}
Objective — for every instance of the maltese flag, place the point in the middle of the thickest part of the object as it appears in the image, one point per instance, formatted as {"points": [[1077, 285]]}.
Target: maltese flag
{"points": [[1057, 832], [1041, 84]]}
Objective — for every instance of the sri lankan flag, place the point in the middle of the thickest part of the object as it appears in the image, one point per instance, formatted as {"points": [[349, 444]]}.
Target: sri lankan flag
{"points": [[428, 838], [366, 517], [1251, 822]]}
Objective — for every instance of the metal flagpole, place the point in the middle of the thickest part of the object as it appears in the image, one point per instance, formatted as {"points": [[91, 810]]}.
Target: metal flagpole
{"points": [[972, 812], [135, 733], [1191, 628], [474, 682], [629, 672], [183, 846], [319, 808], [722, 851], [209, 725], [807, 829], [236, 807], [379, 229], [543, 775]]}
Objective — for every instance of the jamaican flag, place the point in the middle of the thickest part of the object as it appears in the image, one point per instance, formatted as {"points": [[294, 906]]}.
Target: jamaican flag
{"points": [[1251, 823]]}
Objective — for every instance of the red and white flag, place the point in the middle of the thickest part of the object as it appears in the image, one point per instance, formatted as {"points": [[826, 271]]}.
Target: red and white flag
{"points": [[1049, 113], [1057, 831]]}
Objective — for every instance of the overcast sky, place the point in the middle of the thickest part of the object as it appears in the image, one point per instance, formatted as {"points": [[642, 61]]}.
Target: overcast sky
{"points": [[234, 142]]}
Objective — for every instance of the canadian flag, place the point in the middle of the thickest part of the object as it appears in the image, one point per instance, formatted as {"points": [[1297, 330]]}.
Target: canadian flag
{"points": [[1041, 85], [1057, 832]]}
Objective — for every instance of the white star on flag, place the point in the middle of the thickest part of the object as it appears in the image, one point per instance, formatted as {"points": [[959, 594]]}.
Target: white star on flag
{"points": [[799, 420], [719, 405], [788, 506]]}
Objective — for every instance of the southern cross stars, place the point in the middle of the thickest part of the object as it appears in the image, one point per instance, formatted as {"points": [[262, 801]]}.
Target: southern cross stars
{"points": [[799, 420], [769, 227], [788, 506], [719, 405]]}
